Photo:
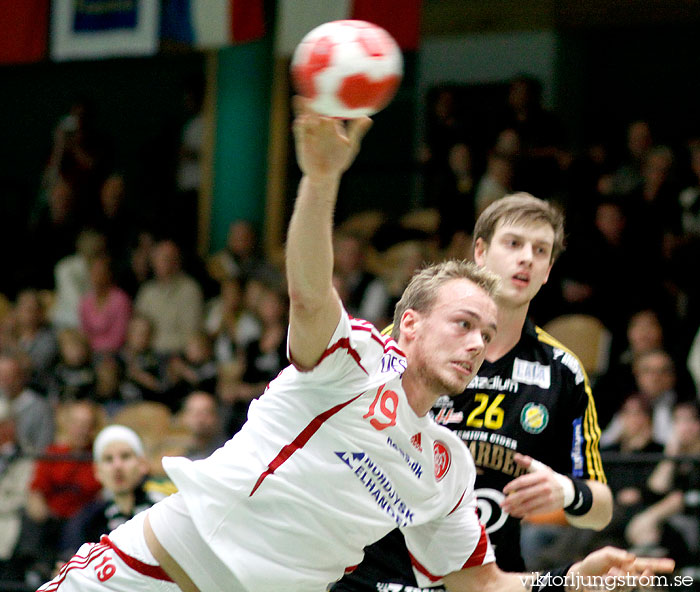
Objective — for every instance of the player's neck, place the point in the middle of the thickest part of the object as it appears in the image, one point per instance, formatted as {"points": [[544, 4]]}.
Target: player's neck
{"points": [[510, 329]]}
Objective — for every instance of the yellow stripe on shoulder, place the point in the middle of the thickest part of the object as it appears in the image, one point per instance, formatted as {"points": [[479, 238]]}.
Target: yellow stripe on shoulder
{"points": [[388, 329], [591, 429]]}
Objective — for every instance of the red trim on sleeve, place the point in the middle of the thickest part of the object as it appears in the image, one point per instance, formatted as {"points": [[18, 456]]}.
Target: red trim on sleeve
{"points": [[458, 503], [300, 441], [152, 571], [417, 565], [342, 343], [479, 553]]}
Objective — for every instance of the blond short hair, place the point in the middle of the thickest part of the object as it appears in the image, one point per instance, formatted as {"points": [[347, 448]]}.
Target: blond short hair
{"points": [[422, 290]]}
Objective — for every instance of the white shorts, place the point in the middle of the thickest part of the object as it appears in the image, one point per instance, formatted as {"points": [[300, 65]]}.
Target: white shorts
{"points": [[118, 563]]}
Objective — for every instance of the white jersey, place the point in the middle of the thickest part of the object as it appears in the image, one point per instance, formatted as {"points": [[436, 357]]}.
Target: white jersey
{"points": [[329, 461]]}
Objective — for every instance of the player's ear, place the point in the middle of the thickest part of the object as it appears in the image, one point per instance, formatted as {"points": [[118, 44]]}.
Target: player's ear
{"points": [[409, 323], [480, 248]]}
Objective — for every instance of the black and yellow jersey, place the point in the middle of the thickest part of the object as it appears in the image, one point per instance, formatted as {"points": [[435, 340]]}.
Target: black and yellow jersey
{"points": [[536, 400]]}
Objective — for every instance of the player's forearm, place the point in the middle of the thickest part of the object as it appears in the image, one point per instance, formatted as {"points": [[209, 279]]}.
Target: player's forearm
{"points": [[309, 252], [600, 514]]}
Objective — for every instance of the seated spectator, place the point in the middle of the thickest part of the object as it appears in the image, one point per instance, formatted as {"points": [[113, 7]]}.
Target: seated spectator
{"points": [[362, 292], [104, 310], [15, 473], [72, 278], [141, 367], [222, 320], [239, 258], [135, 270], [655, 380], [264, 357], [195, 370], [33, 414], [121, 467], [672, 522], [35, 337], [627, 480], [201, 417], [173, 301], [644, 333], [63, 482], [108, 385], [74, 376]]}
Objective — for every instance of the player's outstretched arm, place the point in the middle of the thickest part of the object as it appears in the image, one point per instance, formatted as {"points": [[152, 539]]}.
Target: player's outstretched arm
{"points": [[542, 490], [325, 148], [614, 569]]}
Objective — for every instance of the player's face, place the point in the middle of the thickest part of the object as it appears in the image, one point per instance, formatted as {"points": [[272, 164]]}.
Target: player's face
{"points": [[119, 469], [451, 338], [521, 254]]}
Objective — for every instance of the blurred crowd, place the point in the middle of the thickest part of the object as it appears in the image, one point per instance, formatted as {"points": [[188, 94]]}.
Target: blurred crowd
{"points": [[121, 323]]}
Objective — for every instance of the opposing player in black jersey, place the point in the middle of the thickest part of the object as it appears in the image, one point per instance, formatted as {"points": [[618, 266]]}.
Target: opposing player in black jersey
{"points": [[530, 400]]}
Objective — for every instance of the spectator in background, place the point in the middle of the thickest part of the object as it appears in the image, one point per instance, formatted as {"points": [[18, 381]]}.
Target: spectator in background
{"points": [[121, 467], [239, 258], [672, 522], [112, 220], [142, 375], [55, 224], [363, 293], [543, 153], [200, 416], [264, 357], [655, 379], [104, 310], [496, 182], [62, 484], [74, 375], [194, 370], [644, 333], [35, 337], [15, 473], [172, 301], [222, 320], [73, 278], [135, 270], [638, 144], [33, 415]]}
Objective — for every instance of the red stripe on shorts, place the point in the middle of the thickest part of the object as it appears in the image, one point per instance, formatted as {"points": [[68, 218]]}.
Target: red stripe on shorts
{"points": [[76, 562], [300, 441], [152, 571], [423, 570]]}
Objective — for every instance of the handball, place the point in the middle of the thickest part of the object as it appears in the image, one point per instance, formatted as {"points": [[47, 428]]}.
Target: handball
{"points": [[347, 68]]}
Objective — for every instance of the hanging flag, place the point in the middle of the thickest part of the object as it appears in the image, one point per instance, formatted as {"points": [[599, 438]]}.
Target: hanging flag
{"points": [[88, 29], [23, 30], [296, 18], [209, 24]]}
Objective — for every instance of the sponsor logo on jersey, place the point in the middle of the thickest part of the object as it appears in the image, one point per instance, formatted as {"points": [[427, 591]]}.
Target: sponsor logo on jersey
{"points": [[393, 363], [532, 373], [416, 441], [414, 465], [378, 486], [577, 449], [570, 361], [534, 418], [488, 505], [445, 416], [444, 401], [493, 383], [443, 459]]}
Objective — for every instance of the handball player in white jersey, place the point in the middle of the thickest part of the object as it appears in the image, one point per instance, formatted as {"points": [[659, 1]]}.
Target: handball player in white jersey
{"points": [[339, 450]]}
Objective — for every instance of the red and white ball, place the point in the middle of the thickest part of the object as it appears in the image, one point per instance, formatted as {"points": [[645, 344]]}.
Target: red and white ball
{"points": [[347, 68]]}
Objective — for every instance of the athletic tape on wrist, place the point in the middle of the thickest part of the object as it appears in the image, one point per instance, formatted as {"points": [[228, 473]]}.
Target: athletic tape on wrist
{"points": [[554, 579], [583, 498], [565, 482]]}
